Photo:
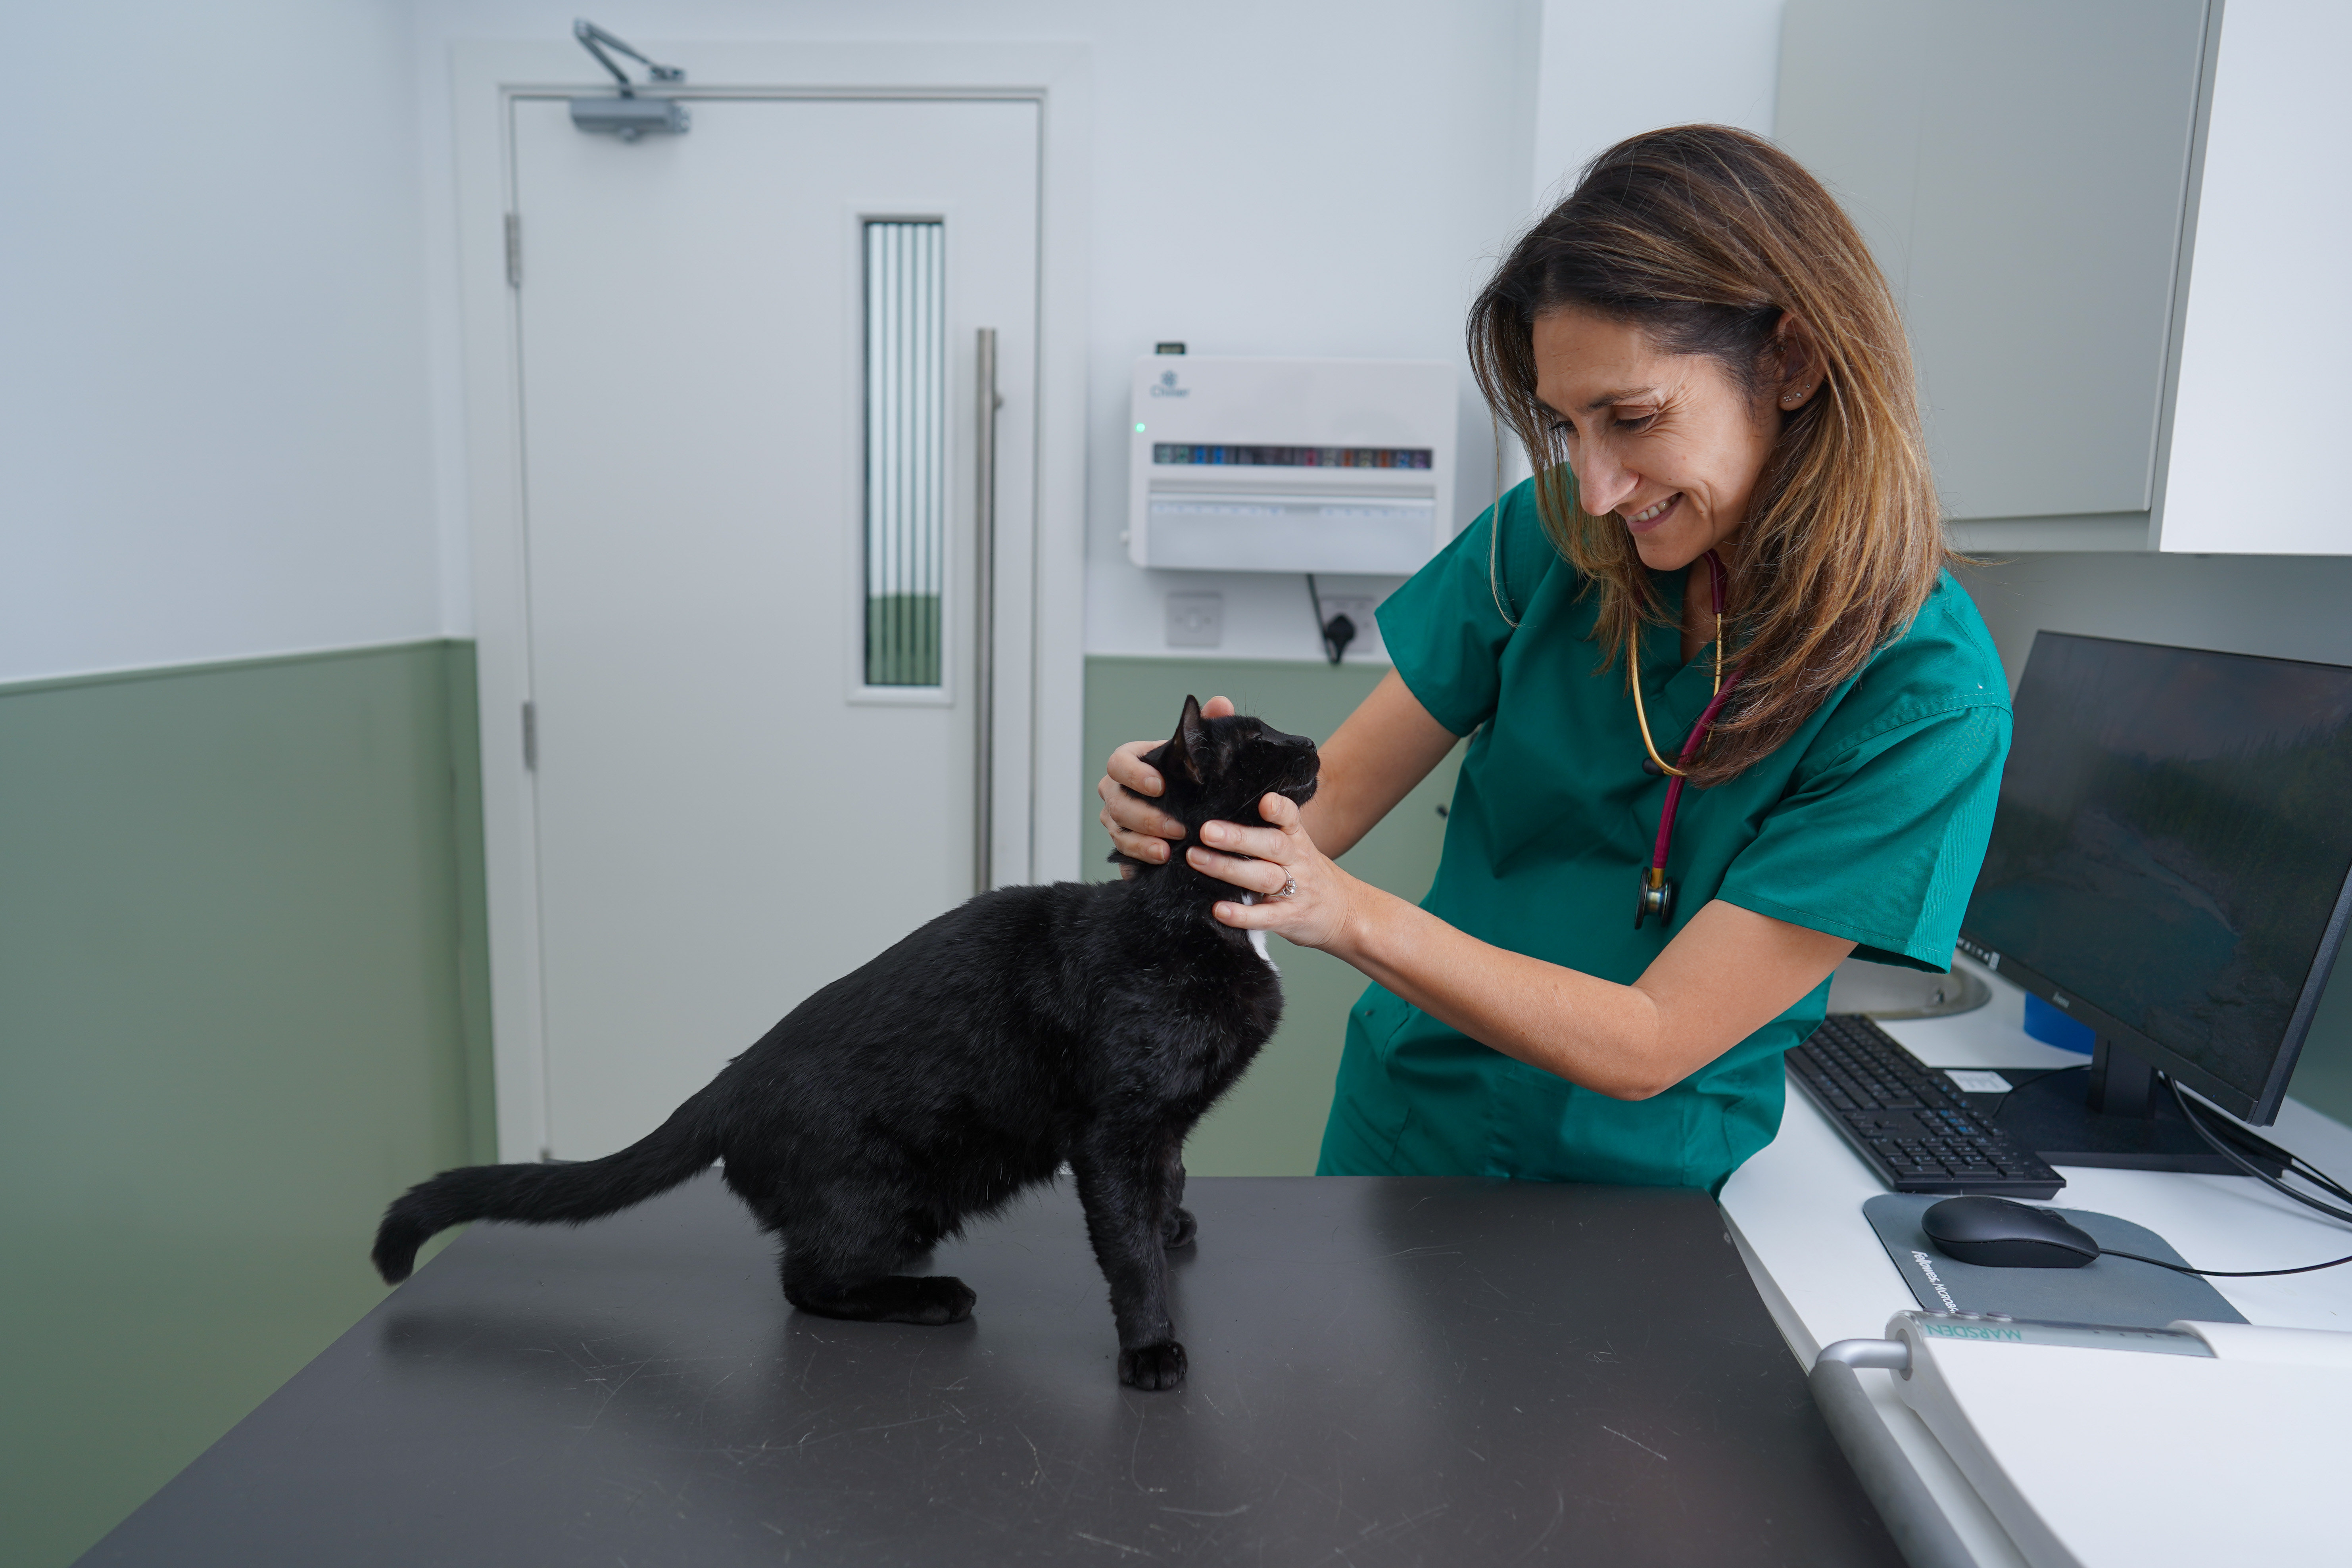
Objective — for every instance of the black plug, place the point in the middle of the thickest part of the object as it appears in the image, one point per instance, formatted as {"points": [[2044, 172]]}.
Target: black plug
{"points": [[1337, 632]]}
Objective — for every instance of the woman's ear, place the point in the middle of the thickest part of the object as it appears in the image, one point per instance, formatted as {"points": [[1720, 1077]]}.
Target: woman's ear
{"points": [[1795, 372]]}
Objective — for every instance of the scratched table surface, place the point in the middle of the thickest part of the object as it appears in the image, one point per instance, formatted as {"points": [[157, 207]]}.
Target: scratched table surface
{"points": [[1383, 1372]]}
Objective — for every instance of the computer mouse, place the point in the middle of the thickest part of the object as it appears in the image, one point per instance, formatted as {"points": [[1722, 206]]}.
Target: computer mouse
{"points": [[2002, 1232]]}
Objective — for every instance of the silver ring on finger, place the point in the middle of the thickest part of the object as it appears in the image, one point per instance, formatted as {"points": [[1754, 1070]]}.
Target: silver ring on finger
{"points": [[1289, 886]]}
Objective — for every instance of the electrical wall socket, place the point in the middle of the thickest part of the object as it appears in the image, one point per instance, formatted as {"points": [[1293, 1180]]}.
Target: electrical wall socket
{"points": [[1356, 608], [1196, 620]]}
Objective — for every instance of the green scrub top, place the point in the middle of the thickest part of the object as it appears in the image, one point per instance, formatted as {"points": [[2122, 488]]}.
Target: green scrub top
{"points": [[1869, 822]]}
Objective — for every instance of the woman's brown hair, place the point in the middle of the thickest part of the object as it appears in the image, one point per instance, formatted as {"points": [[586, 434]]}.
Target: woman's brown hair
{"points": [[1709, 239]]}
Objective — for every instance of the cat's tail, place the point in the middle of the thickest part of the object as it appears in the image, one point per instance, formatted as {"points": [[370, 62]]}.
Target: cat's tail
{"points": [[680, 1148]]}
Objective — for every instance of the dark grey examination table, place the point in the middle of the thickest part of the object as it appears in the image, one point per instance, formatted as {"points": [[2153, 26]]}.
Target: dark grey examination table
{"points": [[1383, 1372]]}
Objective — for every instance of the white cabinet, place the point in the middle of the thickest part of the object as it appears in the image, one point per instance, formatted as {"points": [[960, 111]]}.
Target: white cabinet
{"points": [[2117, 230]]}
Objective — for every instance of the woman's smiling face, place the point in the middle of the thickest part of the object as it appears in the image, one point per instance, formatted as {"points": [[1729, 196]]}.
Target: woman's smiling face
{"points": [[1672, 445]]}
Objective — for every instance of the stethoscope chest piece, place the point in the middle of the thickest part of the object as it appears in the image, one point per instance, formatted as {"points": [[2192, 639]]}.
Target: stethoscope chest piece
{"points": [[1657, 898]]}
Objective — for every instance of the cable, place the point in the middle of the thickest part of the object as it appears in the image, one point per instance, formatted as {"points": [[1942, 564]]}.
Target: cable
{"points": [[1338, 632], [2295, 1163], [2319, 1179]]}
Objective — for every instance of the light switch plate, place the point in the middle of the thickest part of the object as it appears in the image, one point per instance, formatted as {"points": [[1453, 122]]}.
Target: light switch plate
{"points": [[1196, 620]]}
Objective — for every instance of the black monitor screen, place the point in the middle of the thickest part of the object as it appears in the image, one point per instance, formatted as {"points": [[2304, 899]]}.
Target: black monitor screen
{"points": [[2173, 837]]}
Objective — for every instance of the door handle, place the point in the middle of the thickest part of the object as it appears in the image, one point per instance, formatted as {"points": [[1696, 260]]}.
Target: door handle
{"points": [[983, 677]]}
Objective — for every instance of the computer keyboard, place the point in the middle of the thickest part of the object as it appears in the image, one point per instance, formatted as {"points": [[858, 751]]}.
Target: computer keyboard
{"points": [[1908, 1122]]}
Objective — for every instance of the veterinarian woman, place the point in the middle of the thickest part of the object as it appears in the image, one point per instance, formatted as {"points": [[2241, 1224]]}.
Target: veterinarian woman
{"points": [[1712, 382]]}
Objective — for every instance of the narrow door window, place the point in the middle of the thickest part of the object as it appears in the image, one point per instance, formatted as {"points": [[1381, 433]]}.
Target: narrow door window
{"points": [[906, 450]]}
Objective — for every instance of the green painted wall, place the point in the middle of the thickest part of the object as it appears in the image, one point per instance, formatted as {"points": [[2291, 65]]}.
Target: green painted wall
{"points": [[1272, 1123], [242, 1002]]}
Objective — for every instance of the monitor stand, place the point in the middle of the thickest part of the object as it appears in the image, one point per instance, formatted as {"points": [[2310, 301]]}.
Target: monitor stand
{"points": [[2114, 1115]]}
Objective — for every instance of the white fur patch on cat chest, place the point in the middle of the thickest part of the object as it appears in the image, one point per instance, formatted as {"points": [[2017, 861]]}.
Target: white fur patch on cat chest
{"points": [[1257, 938]]}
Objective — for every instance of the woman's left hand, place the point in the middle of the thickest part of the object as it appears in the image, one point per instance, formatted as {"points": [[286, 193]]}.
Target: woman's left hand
{"points": [[1316, 911]]}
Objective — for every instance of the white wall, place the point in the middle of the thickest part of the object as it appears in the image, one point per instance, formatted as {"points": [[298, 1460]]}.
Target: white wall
{"points": [[229, 404], [1486, 114], [1609, 70], [1317, 177], [212, 405], [1339, 186]]}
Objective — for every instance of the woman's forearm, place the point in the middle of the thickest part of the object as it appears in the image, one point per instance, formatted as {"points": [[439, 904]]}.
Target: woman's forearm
{"points": [[1589, 1031], [1726, 974]]}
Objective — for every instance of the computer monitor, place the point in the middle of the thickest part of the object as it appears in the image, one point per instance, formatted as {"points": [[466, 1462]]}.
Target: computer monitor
{"points": [[2172, 864]]}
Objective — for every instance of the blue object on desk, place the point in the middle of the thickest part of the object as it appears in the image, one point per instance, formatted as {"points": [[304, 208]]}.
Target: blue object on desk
{"points": [[2052, 1027]]}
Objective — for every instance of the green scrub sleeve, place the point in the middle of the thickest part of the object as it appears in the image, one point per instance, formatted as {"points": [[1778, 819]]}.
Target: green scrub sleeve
{"points": [[1446, 627], [1881, 842]]}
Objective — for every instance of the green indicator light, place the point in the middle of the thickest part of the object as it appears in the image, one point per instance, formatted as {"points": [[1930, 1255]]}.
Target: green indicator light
{"points": [[1138, 429]]}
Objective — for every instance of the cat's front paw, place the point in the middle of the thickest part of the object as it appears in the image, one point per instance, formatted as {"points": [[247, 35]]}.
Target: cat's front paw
{"points": [[1178, 1229], [1160, 1366]]}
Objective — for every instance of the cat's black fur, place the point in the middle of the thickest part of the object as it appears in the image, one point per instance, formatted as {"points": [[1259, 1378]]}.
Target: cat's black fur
{"points": [[1030, 1026]]}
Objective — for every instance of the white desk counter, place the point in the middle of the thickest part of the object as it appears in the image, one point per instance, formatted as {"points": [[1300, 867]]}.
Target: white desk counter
{"points": [[1796, 1214]]}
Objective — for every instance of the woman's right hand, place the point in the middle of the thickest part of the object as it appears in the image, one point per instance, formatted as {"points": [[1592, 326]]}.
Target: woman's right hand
{"points": [[1136, 827]]}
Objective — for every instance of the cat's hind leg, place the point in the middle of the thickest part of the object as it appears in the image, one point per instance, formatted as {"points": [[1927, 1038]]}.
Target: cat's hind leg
{"points": [[931, 1299], [841, 1269]]}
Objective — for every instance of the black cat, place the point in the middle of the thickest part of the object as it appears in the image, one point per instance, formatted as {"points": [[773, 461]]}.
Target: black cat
{"points": [[1030, 1026]]}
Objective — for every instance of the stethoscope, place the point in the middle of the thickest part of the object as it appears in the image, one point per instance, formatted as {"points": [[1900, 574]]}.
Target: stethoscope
{"points": [[1657, 889]]}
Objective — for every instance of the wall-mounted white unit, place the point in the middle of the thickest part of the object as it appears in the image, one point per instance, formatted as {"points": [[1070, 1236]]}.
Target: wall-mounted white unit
{"points": [[2105, 222], [1290, 465]]}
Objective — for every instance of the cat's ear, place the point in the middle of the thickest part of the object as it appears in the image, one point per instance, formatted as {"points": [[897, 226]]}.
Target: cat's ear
{"points": [[1190, 744]]}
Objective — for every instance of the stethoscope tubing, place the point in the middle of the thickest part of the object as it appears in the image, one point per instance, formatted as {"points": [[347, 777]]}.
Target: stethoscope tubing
{"points": [[1657, 895], [1689, 755]]}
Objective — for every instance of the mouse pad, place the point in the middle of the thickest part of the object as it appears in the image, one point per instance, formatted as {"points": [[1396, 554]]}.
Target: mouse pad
{"points": [[2111, 1290]]}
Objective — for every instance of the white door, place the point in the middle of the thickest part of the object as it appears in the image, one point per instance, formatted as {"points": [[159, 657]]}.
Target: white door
{"points": [[750, 430]]}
